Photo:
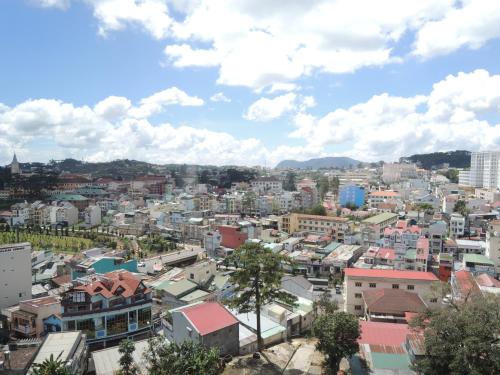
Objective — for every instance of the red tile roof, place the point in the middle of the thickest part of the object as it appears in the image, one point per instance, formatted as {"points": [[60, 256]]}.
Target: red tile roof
{"points": [[209, 317], [376, 333], [392, 301], [384, 193], [386, 253], [390, 274], [112, 281], [465, 283]]}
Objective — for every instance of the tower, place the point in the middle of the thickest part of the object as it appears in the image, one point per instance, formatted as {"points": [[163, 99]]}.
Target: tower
{"points": [[14, 166]]}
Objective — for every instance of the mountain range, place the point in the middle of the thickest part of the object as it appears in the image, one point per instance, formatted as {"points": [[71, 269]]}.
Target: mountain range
{"points": [[317, 163]]}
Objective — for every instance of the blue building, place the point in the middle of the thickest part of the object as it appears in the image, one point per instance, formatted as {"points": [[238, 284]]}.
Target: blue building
{"points": [[352, 194], [102, 265]]}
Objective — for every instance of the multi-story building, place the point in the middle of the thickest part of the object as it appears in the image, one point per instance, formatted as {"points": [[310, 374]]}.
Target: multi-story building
{"points": [[60, 212], [484, 170], [92, 215], [28, 320], [372, 229], [457, 225], [395, 172], [15, 273], [267, 185], [402, 236], [493, 244], [107, 307], [352, 195], [357, 280], [336, 227], [377, 198]]}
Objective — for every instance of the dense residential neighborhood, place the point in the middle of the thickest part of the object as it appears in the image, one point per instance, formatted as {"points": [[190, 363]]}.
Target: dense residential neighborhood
{"points": [[95, 261]]}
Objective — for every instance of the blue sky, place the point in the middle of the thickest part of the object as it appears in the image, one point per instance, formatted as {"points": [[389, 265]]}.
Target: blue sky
{"points": [[298, 79]]}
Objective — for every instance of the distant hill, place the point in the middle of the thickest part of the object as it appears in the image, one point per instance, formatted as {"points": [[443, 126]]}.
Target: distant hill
{"points": [[455, 159], [327, 162]]}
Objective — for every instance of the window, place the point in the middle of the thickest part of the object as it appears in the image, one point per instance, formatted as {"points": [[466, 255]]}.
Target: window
{"points": [[87, 326], [373, 285], [357, 307], [358, 284], [117, 324], [410, 287], [144, 317], [71, 325], [433, 300], [395, 286], [191, 275], [357, 295]]}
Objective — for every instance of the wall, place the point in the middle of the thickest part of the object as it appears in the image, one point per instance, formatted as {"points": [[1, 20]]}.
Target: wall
{"points": [[15, 273]]}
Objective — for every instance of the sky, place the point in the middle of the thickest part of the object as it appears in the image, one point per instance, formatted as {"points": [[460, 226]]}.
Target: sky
{"points": [[247, 82]]}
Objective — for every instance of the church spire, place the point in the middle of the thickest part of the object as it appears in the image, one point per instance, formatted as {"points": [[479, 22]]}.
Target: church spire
{"points": [[14, 166]]}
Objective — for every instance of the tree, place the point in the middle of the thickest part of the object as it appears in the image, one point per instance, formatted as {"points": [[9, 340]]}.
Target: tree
{"points": [[289, 183], [460, 207], [257, 280], [188, 358], [323, 186], [462, 339], [337, 335], [127, 366], [51, 366], [325, 304], [319, 209]]}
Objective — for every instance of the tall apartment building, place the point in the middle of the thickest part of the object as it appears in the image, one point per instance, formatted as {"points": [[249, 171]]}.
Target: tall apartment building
{"points": [[484, 170], [15, 273], [395, 172]]}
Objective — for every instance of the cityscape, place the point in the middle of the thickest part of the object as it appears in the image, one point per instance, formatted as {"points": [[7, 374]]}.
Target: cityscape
{"points": [[249, 187]]}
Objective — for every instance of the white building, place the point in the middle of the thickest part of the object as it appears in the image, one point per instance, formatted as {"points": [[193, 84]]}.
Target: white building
{"points": [[267, 185], [93, 216], [211, 241], [15, 273], [484, 170], [395, 172], [457, 225], [63, 211]]}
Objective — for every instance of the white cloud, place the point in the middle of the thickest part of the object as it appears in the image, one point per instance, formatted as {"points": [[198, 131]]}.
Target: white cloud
{"points": [[280, 86], [387, 127], [60, 4], [259, 44], [113, 107], [157, 102], [220, 97], [470, 24], [265, 109]]}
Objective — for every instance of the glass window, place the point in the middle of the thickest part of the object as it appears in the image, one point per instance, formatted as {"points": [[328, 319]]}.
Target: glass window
{"points": [[144, 317], [117, 324], [373, 285], [357, 295], [87, 326], [410, 287], [132, 317], [358, 284], [71, 325], [395, 286], [357, 307]]}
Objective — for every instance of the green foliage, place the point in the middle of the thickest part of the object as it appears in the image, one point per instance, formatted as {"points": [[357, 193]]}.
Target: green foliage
{"points": [[460, 207], [47, 241], [51, 366], [257, 279], [337, 335], [451, 174], [325, 304], [456, 159], [188, 358], [318, 210], [462, 339], [323, 186], [127, 366], [289, 183]]}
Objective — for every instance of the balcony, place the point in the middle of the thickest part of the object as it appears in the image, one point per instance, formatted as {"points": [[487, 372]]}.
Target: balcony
{"points": [[108, 309]]}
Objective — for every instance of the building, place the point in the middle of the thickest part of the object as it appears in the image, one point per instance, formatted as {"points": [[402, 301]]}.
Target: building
{"points": [[476, 264], [15, 273], [395, 172], [493, 244], [263, 185], [63, 212], [107, 361], [232, 236], [15, 168], [457, 225], [211, 242], [108, 307], [27, 321], [372, 229], [358, 280], [70, 346], [92, 216], [336, 227], [391, 305], [102, 265], [376, 198], [208, 323], [484, 170], [352, 195]]}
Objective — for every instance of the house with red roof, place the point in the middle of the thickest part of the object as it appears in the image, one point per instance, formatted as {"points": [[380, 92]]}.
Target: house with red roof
{"points": [[208, 323], [107, 307], [358, 280]]}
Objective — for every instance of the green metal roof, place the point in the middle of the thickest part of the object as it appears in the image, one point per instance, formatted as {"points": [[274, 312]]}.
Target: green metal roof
{"points": [[477, 258], [180, 288], [194, 295], [69, 197], [390, 361], [377, 219]]}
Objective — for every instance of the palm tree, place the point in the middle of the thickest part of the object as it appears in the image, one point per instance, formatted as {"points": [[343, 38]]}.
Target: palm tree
{"points": [[51, 366]]}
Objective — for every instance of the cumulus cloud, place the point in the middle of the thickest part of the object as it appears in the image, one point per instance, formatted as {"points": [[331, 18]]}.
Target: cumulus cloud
{"points": [[60, 4], [220, 97], [280, 87], [265, 109], [387, 127], [471, 24], [157, 102]]}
